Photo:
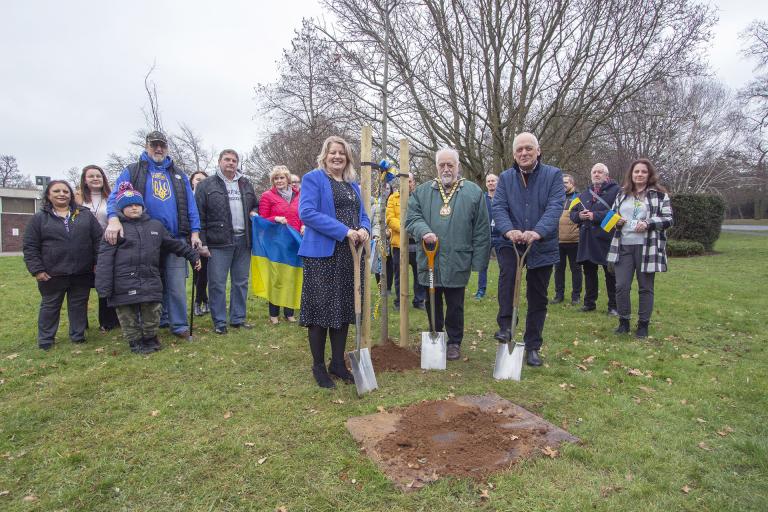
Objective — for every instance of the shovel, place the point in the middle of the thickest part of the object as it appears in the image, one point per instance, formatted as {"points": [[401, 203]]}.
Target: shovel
{"points": [[360, 358], [433, 344], [509, 356]]}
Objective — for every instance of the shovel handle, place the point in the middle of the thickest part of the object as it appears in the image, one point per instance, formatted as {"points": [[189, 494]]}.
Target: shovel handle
{"points": [[430, 253], [518, 274], [357, 252]]}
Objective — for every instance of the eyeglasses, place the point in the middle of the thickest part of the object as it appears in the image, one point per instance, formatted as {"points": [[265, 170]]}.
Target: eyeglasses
{"points": [[158, 144]]}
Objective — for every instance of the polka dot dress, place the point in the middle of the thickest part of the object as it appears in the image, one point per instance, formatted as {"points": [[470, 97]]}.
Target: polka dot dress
{"points": [[327, 297]]}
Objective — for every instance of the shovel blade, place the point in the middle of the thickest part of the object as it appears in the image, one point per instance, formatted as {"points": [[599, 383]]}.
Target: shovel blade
{"points": [[362, 370], [433, 351], [509, 364]]}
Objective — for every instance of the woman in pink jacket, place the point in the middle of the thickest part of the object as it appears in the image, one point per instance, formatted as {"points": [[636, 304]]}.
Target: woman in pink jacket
{"points": [[280, 204]]}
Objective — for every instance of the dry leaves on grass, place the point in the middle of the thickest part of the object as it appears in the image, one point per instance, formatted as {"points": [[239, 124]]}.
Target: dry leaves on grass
{"points": [[338, 401], [484, 495], [704, 446], [581, 367], [725, 431], [635, 372], [262, 460], [227, 415], [29, 498], [588, 360], [549, 452], [685, 489], [381, 408], [249, 444], [4, 493], [154, 413], [11, 357], [281, 508]]}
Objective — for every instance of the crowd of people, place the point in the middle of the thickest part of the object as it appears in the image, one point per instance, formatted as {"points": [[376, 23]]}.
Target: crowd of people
{"points": [[133, 243]]}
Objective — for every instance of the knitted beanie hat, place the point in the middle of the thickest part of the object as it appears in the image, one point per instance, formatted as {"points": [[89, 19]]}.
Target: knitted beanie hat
{"points": [[127, 195]]}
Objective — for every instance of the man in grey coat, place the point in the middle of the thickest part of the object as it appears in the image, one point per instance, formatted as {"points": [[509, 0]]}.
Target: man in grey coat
{"points": [[526, 210]]}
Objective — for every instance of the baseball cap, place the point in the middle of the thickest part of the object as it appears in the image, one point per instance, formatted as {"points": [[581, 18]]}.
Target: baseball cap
{"points": [[156, 136]]}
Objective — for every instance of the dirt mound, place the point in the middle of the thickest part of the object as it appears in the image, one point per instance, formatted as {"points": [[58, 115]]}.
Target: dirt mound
{"points": [[389, 357], [471, 437]]}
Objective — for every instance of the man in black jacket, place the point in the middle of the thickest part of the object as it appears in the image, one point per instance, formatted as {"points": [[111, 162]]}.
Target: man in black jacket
{"points": [[226, 202]]}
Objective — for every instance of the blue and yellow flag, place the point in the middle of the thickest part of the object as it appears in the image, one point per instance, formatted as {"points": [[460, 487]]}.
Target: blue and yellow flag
{"points": [[610, 220], [575, 201], [276, 267]]}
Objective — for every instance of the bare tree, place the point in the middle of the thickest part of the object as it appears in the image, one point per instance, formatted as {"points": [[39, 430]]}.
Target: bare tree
{"points": [[474, 73], [755, 97], [689, 128], [10, 175]]}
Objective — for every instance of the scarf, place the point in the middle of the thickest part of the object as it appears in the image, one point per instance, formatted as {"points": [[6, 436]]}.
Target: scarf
{"points": [[286, 194]]}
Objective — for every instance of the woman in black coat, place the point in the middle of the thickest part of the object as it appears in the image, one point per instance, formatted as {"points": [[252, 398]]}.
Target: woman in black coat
{"points": [[60, 246], [594, 241]]}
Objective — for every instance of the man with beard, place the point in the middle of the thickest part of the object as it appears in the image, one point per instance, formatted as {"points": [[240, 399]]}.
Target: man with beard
{"points": [[168, 198], [594, 241], [526, 209], [451, 211]]}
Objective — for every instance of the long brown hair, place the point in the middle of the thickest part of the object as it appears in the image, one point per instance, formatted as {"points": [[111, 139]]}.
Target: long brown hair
{"points": [[653, 177], [85, 192]]}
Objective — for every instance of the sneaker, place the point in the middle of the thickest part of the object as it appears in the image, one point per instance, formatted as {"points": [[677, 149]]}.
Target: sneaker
{"points": [[480, 294], [243, 325], [205, 308], [199, 310], [557, 300], [220, 330], [586, 309], [575, 302], [454, 352], [613, 312]]}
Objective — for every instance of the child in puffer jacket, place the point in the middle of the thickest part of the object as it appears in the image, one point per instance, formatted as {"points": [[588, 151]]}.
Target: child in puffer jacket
{"points": [[128, 273]]}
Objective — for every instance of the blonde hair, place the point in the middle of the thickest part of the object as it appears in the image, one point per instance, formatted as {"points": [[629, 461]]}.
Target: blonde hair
{"points": [[349, 174], [280, 169]]}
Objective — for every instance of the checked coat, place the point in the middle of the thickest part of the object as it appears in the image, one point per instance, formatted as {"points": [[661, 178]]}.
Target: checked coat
{"points": [[655, 246]]}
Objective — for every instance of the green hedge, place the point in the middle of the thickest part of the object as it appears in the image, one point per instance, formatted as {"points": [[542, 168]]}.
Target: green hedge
{"points": [[684, 248], [697, 217]]}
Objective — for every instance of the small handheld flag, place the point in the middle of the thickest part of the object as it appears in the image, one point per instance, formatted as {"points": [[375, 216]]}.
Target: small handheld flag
{"points": [[610, 220], [576, 201]]}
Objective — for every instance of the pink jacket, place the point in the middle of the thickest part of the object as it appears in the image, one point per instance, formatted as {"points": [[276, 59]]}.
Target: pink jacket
{"points": [[273, 205]]}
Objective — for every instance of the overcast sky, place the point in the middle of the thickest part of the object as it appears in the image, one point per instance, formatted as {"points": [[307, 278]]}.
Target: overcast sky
{"points": [[72, 87]]}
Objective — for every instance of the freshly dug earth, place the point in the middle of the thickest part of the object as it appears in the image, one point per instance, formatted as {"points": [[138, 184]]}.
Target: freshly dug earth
{"points": [[389, 357], [471, 436]]}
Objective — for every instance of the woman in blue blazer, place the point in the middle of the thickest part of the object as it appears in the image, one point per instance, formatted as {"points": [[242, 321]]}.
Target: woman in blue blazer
{"points": [[331, 208]]}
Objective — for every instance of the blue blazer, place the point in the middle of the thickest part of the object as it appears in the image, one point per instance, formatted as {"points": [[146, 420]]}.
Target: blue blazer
{"points": [[318, 213]]}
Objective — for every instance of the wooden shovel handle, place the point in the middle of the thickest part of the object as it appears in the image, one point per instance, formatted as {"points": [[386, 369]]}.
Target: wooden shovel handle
{"points": [[356, 254]]}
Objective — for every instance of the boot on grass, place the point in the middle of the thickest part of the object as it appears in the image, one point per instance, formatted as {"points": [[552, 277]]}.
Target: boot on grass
{"points": [[642, 329], [623, 327], [321, 376]]}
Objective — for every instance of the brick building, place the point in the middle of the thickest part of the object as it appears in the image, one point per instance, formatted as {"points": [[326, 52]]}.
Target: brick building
{"points": [[17, 206]]}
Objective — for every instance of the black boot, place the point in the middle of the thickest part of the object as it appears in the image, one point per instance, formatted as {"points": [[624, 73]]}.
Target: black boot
{"points": [[557, 300], [340, 370], [642, 329], [152, 343], [623, 327], [138, 347], [322, 377]]}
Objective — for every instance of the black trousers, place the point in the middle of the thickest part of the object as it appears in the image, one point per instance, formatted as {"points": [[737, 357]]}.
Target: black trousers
{"points": [[453, 317], [537, 283], [568, 256], [107, 315], [419, 291], [591, 285], [77, 289], [201, 283]]}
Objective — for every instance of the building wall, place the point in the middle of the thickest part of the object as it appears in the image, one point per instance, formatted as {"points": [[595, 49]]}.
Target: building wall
{"points": [[9, 222]]}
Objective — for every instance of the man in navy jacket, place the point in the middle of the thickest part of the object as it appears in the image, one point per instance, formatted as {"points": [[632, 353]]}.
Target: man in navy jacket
{"points": [[526, 210]]}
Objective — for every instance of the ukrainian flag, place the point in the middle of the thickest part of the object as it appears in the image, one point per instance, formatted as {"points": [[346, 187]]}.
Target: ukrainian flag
{"points": [[276, 267], [610, 220], [575, 201]]}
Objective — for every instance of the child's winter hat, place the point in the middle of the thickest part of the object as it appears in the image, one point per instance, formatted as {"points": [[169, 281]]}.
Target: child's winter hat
{"points": [[127, 195]]}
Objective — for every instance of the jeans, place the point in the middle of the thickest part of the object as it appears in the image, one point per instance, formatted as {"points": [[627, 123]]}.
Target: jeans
{"points": [[568, 256], [174, 293], [235, 261], [453, 317], [419, 292], [77, 290], [630, 260], [591, 285], [537, 281]]}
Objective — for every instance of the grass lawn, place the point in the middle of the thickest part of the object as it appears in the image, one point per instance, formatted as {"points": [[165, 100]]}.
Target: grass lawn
{"points": [[236, 422]]}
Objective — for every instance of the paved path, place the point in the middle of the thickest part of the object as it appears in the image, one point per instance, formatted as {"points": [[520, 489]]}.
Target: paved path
{"points": [[743, 227]]}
